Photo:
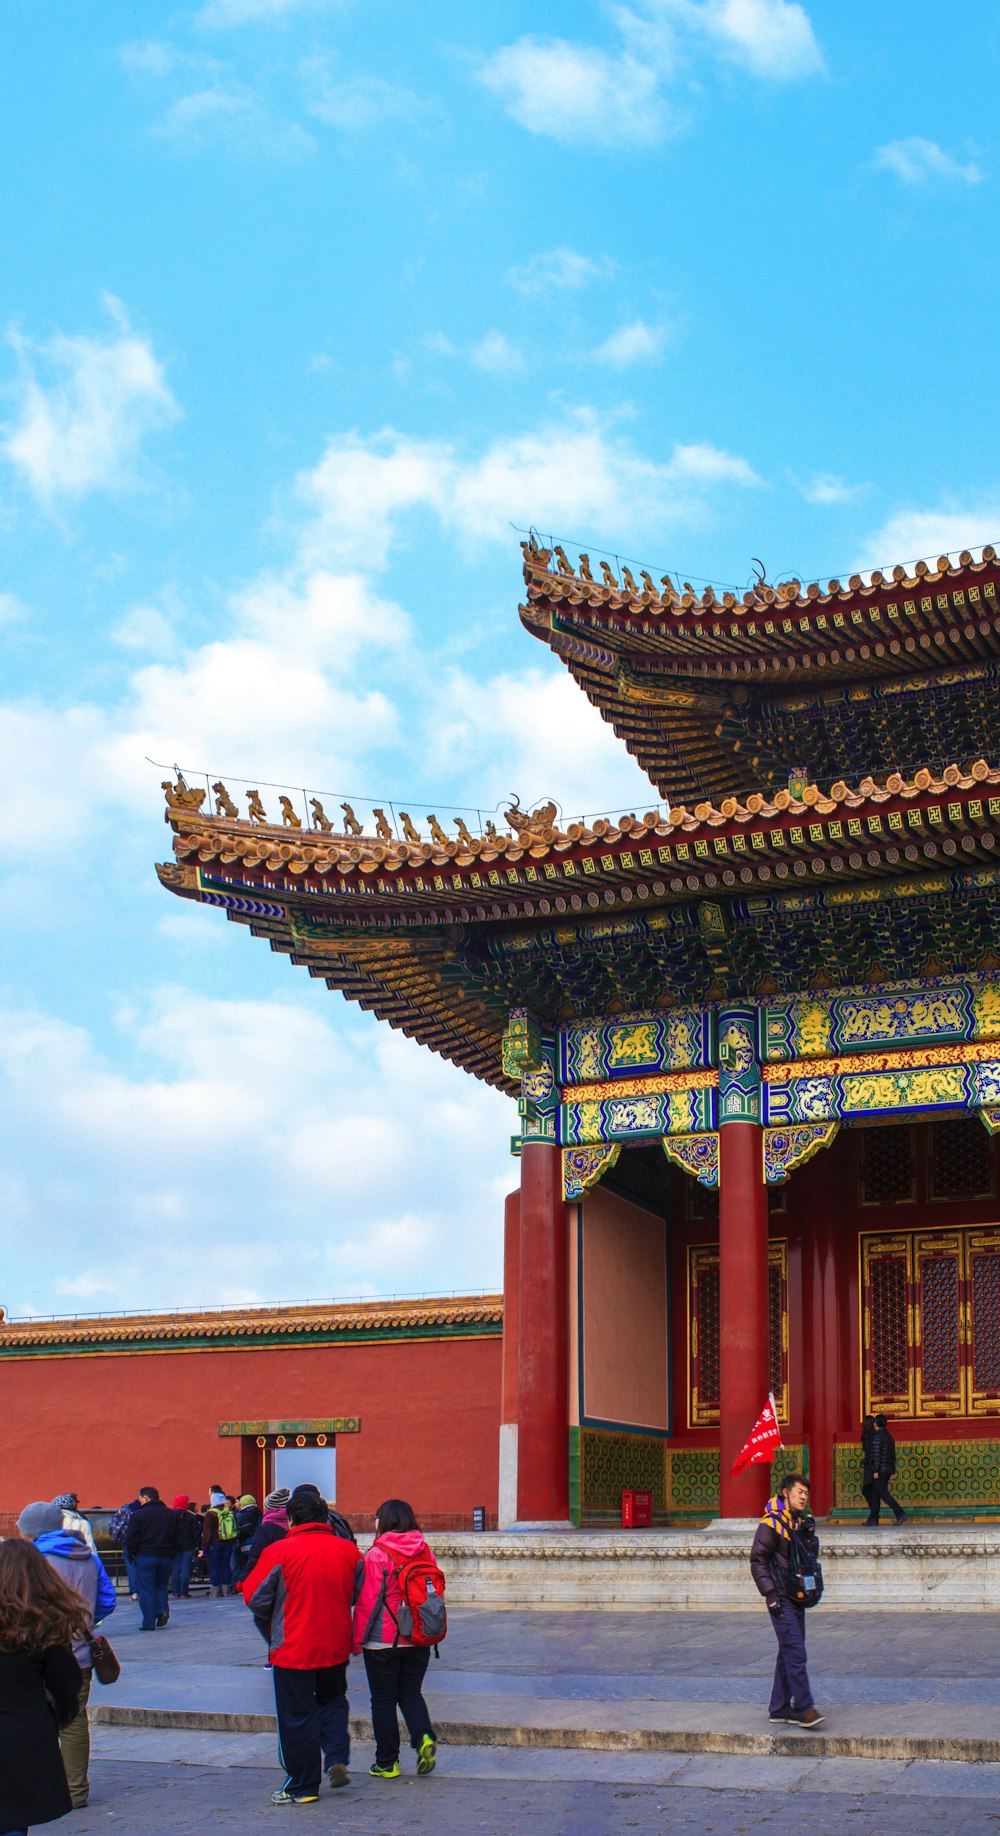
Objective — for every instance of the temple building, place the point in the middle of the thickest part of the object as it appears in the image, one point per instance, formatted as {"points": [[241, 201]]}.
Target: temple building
{"points": [[753, 1032]]}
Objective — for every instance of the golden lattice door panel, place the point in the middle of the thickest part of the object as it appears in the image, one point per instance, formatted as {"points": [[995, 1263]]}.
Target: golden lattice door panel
{"points": [[931, 1323]]}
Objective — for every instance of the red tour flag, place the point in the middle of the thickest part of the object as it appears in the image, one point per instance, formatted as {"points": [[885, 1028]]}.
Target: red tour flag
{"points": [[764, 1441]]}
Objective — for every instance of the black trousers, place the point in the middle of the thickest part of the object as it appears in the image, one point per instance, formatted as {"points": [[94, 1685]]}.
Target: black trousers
{"points": [[395, 1674], [877, 1493], [311, 1706]]}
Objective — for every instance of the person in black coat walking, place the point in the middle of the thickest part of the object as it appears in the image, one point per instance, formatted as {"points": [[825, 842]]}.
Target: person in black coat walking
{"points": [[40, 1683], [151, 1541], [880, 1467]]}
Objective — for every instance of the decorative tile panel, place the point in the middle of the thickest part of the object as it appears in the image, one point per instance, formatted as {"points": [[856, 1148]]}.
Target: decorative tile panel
{"points": [[933, 1479], [677, 1040], [814, 1027]]}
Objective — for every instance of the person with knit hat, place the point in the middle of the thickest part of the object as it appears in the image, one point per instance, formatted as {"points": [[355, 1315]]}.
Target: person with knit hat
{"points": [[67, 1553], [247, 1524], [188, 1540], [272, 1527], [74, 1520]]}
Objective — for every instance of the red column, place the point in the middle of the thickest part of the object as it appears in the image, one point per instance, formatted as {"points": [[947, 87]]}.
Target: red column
{"points": [[825, 1361], [743, 1358], [543, 1340]]}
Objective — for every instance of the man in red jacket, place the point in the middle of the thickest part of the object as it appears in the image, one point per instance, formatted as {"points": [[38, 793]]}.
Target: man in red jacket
{"points": [[301, 1593]]}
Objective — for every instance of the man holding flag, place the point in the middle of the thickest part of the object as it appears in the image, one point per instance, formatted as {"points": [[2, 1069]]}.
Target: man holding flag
{"points": [[785, 1519]]}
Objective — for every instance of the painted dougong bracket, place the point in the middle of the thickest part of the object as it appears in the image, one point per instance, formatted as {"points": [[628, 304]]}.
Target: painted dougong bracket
{"points": [[695, 1154], [788, 1148], [584, 1166]]}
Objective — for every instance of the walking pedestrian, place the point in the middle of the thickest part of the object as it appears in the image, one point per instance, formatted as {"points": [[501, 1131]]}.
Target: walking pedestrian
{"points": [[151, 1541], [40, 1618], [786, 1516], [300, 1592], [73, 1519], [883, 1468], [395, 1666], [867, 1480], [218, 1539], [68, 1555], [187, 1537]]}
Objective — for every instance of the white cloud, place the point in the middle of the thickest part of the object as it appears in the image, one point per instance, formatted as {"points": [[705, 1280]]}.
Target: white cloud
{"points": [[773, 39], [916, 161], [578, 93], [914, 534], [568, 474], [312, 1089], [13, 610], [498, 732], [84, 405], [559, 269], [237, 119], [827, 488], [634, 343], [223, 15], [497, 355], [614, 97], [355, 104]]}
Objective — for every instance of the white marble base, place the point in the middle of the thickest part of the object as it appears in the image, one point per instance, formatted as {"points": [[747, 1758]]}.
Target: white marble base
{"points": [[915, 1568]]}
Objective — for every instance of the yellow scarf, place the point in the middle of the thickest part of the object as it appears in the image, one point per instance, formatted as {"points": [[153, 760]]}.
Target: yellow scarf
{"points": [[778, 1516]]}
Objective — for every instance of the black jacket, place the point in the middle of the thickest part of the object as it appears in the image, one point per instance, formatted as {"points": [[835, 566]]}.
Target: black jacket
{"points": [[770, 1556], [883, 1461], [152, 1531], [247, 1523], [33, 1785], [187, 1530]]}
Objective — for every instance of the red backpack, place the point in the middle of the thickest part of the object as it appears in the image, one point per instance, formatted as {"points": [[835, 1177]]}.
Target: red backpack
{"points": [[421, 1614]]}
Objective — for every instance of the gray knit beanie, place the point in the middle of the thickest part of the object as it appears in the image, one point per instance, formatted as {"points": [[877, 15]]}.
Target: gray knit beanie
{"points": [[38, 1519], [275, 1500]]}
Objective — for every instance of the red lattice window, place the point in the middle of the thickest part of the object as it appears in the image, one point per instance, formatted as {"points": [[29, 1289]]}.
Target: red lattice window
{"points": [[887, 1378], [961, 1159], [887, 1166], [938, 1296], [704, 1384], [983, 1321], [931, 1322]]}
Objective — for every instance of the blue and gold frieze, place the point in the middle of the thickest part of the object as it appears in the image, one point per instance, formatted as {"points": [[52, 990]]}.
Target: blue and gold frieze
{"points": [[816, 1027], [959, 1077], [677, 1040], [685, 1111]]}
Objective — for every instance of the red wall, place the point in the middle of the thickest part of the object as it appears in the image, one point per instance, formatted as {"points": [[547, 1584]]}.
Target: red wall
{"points": [[102, 1426]]}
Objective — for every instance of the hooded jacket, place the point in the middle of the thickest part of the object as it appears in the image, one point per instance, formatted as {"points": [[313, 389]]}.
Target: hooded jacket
{"points": [[301, 1591], [78, 1525], [68, 1554], [378, 1602], [273, 1528]]}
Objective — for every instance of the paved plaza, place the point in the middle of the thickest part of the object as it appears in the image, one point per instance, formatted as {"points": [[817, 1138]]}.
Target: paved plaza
{"points": [[516, 1689]]}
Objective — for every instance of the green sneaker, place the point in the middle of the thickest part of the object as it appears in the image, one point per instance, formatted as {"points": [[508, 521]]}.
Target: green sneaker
{"points": [[427, 1754], [384, 1772]]}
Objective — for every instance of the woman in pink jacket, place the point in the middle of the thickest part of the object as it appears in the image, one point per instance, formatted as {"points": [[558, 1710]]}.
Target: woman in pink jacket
{"points": [[395, 1665]]}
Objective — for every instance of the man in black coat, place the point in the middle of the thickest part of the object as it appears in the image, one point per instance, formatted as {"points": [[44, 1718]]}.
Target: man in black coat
{"points": [[880, 1467], [786, 1516], [151, 1541]]}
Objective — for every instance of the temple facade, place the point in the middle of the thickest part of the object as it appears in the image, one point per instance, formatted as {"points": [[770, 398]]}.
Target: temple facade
{"points": [[754, 1033]]}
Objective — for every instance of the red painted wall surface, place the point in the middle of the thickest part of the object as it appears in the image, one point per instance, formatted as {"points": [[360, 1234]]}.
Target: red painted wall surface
{"points": [[102, 1426]]}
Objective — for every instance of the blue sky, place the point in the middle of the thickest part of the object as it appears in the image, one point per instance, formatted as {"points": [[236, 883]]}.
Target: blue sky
{"points": [[305, 304]]}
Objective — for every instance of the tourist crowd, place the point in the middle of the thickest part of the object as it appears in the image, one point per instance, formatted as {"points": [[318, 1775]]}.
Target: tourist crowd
{"points": [[316, 1600], [313, 1596]]}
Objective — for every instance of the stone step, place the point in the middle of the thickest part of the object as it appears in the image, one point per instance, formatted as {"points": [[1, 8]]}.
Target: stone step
{"points": [[852, 1731]]}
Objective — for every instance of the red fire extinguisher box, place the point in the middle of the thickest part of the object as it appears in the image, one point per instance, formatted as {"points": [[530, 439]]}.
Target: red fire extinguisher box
{"points": [[637, 1510]]}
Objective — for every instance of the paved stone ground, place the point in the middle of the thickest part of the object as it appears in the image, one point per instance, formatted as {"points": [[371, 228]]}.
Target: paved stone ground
{"points": [[515, 1794], [912, 1667]]}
